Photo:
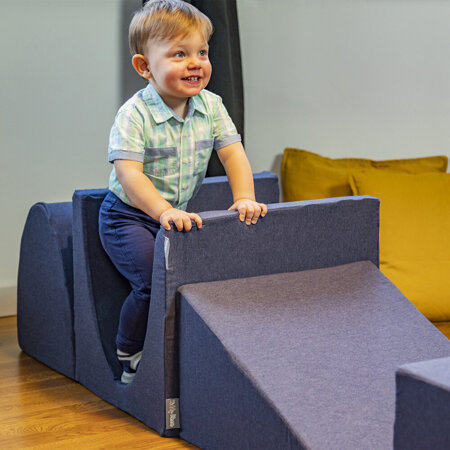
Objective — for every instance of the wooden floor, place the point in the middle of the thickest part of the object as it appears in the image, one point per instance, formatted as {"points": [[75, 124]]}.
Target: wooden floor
{"points": [[39, 408]]}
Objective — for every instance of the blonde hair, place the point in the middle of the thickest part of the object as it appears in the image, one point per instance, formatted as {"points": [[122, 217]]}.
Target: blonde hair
{"points": [[166, 19]]}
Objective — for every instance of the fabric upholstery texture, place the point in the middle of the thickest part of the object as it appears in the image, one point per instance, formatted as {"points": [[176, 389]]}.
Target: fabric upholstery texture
{"points": [[100, 291], [219, 407], [320, 347], [414, 235], [299, 236], [46, 294], [423, 406], [306, 175], [45, 287], [332, 232], [266, 191]]}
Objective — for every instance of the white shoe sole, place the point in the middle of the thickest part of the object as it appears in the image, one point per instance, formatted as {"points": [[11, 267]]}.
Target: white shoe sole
{"points": [[127, 377]]}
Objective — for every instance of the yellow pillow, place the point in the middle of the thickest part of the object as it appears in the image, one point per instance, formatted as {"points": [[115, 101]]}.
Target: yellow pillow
{"points": [[414, 234], [306, 175]]}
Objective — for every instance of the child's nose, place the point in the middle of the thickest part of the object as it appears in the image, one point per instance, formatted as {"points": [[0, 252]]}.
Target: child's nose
{"points": [[193, 63]]}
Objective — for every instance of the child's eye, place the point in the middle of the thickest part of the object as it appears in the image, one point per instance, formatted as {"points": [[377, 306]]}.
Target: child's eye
{"points": [[179, 54], [203, 52]]}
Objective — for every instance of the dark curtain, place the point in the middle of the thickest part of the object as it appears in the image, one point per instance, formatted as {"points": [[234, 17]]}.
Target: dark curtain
{"points": [[225, 56]]}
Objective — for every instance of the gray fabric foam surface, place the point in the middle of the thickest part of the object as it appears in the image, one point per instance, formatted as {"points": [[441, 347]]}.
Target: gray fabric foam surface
{"points": [[322, 346]]}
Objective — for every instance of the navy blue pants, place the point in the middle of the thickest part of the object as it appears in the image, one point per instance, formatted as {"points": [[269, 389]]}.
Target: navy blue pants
{"points": [[128, 237]]}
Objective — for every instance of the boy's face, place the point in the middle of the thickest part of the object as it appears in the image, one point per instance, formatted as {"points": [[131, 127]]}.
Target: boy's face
{"points": [[178, 69]]}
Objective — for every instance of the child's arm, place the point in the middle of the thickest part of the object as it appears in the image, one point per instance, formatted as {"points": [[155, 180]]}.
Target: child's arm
{"points": [[145, 196], [240, 178]]}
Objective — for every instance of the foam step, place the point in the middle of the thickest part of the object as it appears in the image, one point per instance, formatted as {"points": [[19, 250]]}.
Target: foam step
{"points": [[297, 360]]}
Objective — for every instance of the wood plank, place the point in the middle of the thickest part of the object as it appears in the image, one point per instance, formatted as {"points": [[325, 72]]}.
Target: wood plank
{"points": [[42, 409]]}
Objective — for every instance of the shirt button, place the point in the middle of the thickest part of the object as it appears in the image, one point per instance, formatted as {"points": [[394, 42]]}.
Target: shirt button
{"points": [[184, 186], [186, 160]]}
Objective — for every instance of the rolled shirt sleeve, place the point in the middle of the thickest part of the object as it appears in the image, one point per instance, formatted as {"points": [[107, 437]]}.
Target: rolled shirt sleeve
{"points": [[126, 139], [224, 130]]}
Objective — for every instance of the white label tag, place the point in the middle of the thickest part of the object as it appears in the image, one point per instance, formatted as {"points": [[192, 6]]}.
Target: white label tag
{"points": [[172, 413], [166, 251]]}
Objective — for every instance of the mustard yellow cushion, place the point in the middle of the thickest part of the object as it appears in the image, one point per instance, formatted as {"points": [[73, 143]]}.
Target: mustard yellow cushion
{"points": [[443, 327], [306, 175], [414, 234]]}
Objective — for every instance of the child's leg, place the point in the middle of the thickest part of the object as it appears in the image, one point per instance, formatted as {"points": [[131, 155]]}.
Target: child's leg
{"points": [[128, 237]]}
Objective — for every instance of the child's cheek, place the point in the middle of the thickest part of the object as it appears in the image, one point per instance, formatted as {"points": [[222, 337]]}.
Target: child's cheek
{"points": [[207, 70], [172, 77]]}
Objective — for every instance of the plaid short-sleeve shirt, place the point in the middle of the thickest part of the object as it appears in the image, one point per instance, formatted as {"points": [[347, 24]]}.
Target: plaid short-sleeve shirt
{"points": [[175, 152]]}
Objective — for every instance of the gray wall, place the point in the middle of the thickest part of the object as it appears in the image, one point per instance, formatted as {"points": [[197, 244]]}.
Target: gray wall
{"points": [[339, 77], [60, 89], [346, 77]]}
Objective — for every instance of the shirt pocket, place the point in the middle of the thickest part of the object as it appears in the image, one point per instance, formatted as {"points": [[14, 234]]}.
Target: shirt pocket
{"points": [[203, 151], [160, 161]]}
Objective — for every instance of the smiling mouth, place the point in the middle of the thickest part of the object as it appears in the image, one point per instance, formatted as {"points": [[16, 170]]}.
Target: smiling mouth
{"points": [[191, 79]]}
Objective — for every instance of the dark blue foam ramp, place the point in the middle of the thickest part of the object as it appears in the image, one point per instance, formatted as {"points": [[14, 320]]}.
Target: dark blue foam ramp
{"points": [[297, 360]]}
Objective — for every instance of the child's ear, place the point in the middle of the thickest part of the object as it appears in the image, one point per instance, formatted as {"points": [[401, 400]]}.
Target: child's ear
{"points": [[140, 64]]}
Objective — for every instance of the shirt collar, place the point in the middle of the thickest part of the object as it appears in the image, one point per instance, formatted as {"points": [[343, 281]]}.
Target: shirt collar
{"points": [[198, 104], [161, 112]]}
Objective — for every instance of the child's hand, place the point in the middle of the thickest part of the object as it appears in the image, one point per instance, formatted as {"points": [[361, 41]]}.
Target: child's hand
{"points": [[249, 210], [181, 219]]}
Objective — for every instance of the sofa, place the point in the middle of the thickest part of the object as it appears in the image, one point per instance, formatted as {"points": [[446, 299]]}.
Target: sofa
{"points": [[282, 334], [414, 216]]}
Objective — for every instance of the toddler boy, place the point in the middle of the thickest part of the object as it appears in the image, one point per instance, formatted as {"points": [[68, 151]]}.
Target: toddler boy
{"points": [[160, 144]]}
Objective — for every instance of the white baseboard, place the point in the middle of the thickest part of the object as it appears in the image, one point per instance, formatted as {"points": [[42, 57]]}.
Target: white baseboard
{"points": [[8, 301]]}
